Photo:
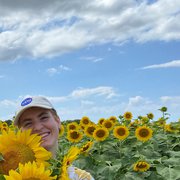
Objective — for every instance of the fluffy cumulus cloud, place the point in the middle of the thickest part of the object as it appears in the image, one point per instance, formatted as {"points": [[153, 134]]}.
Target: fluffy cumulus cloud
{"points": [[35, 29]]}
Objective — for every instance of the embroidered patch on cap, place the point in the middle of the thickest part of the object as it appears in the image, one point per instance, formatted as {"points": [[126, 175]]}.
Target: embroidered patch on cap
{"points": [[26, 101]]}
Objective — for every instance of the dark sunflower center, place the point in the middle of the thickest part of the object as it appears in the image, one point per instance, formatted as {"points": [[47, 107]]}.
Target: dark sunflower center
{"points": [[31, 178], [141, 166], [100, 133], [101, 121], [108, 125], [121, 131], [150, 116], [90, 130], [85, 148], [113, 120], [72, 127], [74, 135], [128, 116], [143, 132], [18, 153], [85, 121]]}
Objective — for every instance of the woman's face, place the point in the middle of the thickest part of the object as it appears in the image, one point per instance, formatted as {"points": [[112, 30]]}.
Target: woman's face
{"points": [[44, 123]]}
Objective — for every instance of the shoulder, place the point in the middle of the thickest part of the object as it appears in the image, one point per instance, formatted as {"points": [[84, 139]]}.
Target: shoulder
{"points": [[79, 174]]}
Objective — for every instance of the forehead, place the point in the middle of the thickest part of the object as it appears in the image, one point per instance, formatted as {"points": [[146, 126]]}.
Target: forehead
{"points": [[33, 112]]}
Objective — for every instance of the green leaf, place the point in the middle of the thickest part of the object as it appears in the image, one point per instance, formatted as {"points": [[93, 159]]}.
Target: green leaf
{"points": [[172, 161], [1, 157], [2, 177], [155, 176], [174, 153], [169, 173]]}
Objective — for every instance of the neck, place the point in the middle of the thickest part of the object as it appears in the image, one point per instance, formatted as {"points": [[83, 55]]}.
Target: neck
{"points": [[53, 150]]}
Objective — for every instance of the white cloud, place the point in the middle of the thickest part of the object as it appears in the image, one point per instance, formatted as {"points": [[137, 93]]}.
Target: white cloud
{"points": [[87, 103], [8, 103], [52, 71], [60, 68], [92, 59], [72, 106], [35, 29], [139, 105], [135, 101], [64, 68], [175, 63], [108, 92], [173, 100]]}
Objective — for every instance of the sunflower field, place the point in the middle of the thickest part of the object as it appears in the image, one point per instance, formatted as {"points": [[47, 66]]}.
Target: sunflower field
{"points": [[115, 148]]}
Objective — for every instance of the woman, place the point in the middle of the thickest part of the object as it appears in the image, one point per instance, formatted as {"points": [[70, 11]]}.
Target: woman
{"points": [[38, 114]]}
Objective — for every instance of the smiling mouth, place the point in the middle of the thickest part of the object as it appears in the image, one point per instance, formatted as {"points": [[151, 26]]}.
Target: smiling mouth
{"points": [[44, 135]]}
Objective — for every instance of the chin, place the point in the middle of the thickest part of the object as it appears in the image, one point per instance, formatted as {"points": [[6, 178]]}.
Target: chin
{"points": [[45, 145]]}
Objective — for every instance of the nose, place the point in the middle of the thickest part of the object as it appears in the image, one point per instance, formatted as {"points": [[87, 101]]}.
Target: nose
{"points": [[37, 127]]}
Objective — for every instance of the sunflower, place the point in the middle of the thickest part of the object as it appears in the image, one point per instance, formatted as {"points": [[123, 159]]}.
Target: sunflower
{"points": [[113, 119], [127, 116], [86, 147], [4, 126], [134, 123], [150, 115], [73, 126], [101, 120], [82, 127], [89, 130], [160, 122], [108, 124], [168, 128], [61, 130], [100, 134], [85, 121], [30, 171], [121, 132], [74, 136], [67, 161], [20, 147], [143, 133], [141, 166], [144, 119]]}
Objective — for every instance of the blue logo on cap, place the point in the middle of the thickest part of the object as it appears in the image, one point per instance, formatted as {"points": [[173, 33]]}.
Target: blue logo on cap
{"points": [[26, 101]]}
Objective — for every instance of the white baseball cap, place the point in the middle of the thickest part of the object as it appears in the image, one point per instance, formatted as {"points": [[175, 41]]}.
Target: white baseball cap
{"points": [[34, 101]]}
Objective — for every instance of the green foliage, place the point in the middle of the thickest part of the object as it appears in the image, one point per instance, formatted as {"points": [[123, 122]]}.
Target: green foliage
{"points": [[114, 159]]}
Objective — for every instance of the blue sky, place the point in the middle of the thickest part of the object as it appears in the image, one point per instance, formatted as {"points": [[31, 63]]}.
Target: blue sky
{"points": [[98, 58]]}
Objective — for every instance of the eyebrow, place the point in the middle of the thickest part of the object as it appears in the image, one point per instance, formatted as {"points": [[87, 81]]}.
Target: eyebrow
{"points": [[25, 120], [43, 113]]}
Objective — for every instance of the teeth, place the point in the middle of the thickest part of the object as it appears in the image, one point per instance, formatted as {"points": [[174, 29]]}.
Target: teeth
{"points": [[44, 135]]}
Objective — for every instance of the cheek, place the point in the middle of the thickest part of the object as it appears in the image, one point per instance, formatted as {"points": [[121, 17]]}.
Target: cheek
{"points": [[54, 126], [23, 129]]}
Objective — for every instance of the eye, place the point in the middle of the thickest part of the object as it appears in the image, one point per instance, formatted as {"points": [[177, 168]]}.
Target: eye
{"points": [[44, 118], [27, 124]]}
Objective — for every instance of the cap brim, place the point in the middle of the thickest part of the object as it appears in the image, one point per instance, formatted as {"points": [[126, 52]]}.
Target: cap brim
{"points": [[16, 119]]}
